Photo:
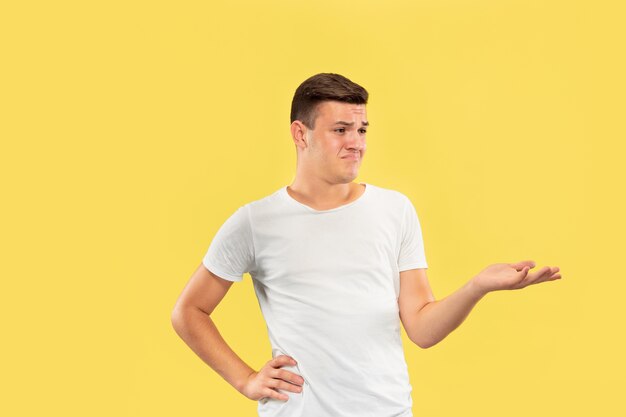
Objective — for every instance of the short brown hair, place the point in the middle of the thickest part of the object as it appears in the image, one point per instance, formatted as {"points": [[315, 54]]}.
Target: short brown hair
{"points": [[323, 87]]}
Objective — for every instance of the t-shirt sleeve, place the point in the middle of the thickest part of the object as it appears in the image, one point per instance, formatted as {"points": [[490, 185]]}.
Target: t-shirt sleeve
{"points": [[412, 254], [231, 252]]}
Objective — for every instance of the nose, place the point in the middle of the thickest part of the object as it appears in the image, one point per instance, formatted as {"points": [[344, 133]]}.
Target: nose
{"points": [[356, 142]]}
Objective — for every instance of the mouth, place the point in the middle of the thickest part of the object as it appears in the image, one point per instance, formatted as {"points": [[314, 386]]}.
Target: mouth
{"points": [[354, 156]]}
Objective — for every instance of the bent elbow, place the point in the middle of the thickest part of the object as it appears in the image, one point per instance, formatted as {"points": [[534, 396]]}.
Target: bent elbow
{"points": [[177, 318], [424, 344]]}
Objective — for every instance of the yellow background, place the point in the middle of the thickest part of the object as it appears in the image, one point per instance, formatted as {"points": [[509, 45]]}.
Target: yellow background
{"points": [[132, 130]]}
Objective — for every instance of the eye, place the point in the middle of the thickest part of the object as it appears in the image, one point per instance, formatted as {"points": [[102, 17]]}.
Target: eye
{"points": [[341, 128], [363, 131]]}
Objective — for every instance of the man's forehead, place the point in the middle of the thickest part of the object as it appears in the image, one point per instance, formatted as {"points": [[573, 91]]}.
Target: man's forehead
{"points": [[337, 109]]}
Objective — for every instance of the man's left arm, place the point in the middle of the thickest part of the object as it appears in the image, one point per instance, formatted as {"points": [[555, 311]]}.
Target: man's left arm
{"points": [[428, 321]]}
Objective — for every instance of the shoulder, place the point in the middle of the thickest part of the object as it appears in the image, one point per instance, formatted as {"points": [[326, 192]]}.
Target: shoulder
{"points": [[268, 204], [388, 195]]}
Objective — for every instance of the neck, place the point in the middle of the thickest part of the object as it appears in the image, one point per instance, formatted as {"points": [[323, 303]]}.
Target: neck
{"points": [[322, 194]]}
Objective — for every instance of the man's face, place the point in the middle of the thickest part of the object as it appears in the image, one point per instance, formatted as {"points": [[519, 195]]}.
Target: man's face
{"points": [[337, 144]]}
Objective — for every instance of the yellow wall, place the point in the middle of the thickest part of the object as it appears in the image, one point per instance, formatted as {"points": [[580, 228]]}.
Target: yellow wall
{"points": [[132, 130]]}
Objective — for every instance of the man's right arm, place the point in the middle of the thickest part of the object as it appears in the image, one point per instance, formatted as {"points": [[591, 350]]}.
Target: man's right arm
{"points": [[192, 322]]}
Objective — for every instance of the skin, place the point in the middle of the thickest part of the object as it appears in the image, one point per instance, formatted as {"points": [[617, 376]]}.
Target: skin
{"points": [[428, 321], [324, 175], [324, 180]]}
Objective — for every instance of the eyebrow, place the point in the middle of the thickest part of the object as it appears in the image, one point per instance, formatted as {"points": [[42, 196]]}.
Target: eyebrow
{"points": [[341, 122]]}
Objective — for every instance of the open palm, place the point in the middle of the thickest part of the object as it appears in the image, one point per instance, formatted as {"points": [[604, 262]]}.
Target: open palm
{"points": [[507, 276]]}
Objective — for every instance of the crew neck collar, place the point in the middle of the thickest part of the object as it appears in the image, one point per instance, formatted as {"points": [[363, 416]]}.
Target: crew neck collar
{"points": [[285, 193]]}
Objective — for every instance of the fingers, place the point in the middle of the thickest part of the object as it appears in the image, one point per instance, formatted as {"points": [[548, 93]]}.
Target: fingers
{"points": [[284, 385], [283, 360], [546, 273], [272, 393], [520, 265], [288, 376], [551, 275], [282, 379]]}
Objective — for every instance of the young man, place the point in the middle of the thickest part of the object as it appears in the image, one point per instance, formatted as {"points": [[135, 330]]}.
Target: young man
{"points": [[336, 266]]}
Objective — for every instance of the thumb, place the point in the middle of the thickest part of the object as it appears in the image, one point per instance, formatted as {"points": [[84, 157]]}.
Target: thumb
{"points": [[524, 272], [521, 265]]}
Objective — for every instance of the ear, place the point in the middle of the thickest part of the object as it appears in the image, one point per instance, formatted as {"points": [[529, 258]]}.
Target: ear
{"points": [[298, 134]]}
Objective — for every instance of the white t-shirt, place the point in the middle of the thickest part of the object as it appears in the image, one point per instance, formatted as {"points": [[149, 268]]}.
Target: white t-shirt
{"points": [[328, 282]]}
